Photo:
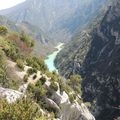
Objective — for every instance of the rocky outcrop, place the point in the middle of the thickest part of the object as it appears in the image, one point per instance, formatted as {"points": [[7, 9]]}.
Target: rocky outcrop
{"points": [[67, 110], [10, 95], [75, 112], [97, 60], [58, 101]]}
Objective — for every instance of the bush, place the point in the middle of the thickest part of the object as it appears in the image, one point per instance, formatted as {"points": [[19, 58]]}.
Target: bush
{"points": [[30, 71], [34, 77], [36, 63], [20, 64], [3, 73], [3, 30], [25, 78], [88, 104], [72, 97], [43, 80], [24, 109], [75, 83], [54, 86], [27, 39]]}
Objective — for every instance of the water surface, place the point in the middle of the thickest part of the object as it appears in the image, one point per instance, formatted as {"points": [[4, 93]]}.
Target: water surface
{"points": [[50, 58]]}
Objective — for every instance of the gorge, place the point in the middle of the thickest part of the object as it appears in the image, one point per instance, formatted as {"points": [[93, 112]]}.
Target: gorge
{"points": [[59, 60]]}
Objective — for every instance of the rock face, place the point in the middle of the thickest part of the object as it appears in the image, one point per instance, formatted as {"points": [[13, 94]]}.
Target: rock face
{"points": [[66, 109], [75, 112], [59, 100], [10, 95], [95, 55]]}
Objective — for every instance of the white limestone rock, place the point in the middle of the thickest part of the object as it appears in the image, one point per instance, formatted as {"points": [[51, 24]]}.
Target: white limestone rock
{"points": [[10, 95]]}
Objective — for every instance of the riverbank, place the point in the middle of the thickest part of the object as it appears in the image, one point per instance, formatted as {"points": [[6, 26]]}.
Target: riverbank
{"points": [[49, 61]]}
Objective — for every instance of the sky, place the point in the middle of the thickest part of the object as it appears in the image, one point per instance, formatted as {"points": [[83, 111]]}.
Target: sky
{"points": [[9, 3]]}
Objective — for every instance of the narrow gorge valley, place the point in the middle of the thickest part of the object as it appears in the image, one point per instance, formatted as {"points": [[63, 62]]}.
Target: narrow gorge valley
{"points": [[59, 60]]}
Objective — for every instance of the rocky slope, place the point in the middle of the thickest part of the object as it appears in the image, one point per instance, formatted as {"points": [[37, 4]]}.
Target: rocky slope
{"points": [[42, 41], [58, 19], [59, 101], [95, 55], [25, 79]]}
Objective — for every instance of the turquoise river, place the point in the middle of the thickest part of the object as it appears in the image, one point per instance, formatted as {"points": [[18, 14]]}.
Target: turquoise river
{"points": [[50, 58]]}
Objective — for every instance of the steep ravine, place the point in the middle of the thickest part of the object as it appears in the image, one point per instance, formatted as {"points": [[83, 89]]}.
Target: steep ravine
{"points": [[95, 54]]}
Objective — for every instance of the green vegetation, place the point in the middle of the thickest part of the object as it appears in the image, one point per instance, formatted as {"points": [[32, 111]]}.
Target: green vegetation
{"points": [[18, 49], [2, 69], [24, 109], [38, 92], [72, 97], [3, 30], [25, 78], [36, 63], [30, 71], [34, 77], [20, 63], [43, 80], [75, 83], [54, 86], [27, 39]]}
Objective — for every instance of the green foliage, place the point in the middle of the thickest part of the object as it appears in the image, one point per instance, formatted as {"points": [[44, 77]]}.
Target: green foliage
{"points": [[25, 78], [36, 63], [3, 75], [75, 83], [38, 92], [62, 84], [23, 109], [3, 30], [43, 80], [88, 104], [27, 39], [54, 86], [72, 97], [20, 63], [30, 71], [34, 77]]}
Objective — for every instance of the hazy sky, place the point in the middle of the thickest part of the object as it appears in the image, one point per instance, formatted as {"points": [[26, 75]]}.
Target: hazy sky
{"points": [[9, 3]]}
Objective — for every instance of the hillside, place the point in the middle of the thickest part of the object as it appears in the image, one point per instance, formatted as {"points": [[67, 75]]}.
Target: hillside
{"points": [[42, 47], [57, 19], [28, 91], [94, 53]]}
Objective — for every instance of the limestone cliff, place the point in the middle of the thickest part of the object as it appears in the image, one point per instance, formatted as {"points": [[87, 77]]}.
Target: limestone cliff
{"points": [[95, 55]]}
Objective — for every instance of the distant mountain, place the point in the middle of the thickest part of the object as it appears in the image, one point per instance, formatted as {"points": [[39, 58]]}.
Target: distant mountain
{"points": [[95, 54], [42, 41], [6, 22], [57, 18]]}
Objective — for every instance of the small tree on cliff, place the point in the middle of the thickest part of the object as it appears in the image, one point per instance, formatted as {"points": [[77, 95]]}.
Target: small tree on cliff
{"points": [[75, 83]]}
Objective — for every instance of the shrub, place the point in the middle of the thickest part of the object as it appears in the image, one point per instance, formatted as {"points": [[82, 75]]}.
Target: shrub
{"points": [[30, 71], [25, 78], [43, 80], [27, 39], [75, 83], [34, 77], [3, 73], [24, 109], [54, 86], [3, 30], [36, 63], [62, 84], [72, 97], [88, 104], [20, 64]]}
